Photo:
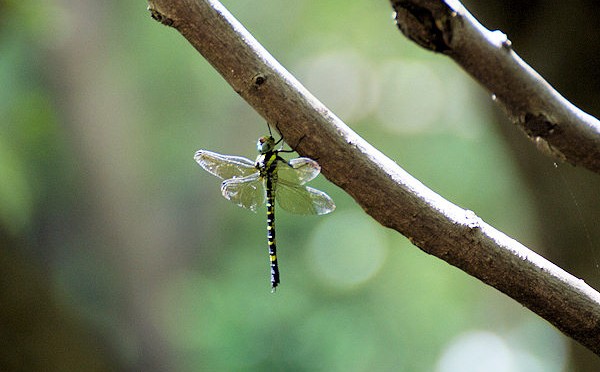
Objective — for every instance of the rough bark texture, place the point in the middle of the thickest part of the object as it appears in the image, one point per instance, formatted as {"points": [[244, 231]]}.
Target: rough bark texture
{"points": [[555, 125], [381, 187], [560, 40]]}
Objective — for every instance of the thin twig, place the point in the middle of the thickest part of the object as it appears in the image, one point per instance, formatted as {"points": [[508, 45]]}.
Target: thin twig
{"points": [[380, 186], [555, 125]]}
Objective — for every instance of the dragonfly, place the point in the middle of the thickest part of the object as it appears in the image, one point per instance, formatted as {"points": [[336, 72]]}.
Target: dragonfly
{"points": [[250, 184]]}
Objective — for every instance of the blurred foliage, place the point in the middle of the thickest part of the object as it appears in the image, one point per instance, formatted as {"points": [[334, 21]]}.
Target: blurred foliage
{"points": [[102, 109]]}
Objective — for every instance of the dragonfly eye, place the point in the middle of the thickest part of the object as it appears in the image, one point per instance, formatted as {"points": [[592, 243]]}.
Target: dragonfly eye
{"points": [[265, 144]]}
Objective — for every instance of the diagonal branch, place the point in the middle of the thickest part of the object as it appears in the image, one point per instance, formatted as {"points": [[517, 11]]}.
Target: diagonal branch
{"points": [[380, 186], [555, 125]]}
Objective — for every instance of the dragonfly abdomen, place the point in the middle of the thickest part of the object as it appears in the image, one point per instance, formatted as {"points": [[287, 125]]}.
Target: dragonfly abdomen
{"points": [[270, 188]]}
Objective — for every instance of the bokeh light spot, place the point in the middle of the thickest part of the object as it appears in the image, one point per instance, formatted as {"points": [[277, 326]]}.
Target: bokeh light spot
{"points": [[477, 351], [347, 250], [412, 98], [343, 80]]}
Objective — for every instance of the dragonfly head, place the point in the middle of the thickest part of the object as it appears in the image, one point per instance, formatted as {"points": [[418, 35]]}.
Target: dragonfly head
{"points": [[265, 144]]}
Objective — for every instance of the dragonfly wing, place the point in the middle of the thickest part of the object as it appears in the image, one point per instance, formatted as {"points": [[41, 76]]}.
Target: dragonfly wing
{"points": [[248, 192], [302, 200], [298, 171], [225, 166]]}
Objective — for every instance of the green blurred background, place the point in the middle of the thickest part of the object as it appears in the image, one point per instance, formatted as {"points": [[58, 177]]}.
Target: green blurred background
{"points": [[118, 252]]}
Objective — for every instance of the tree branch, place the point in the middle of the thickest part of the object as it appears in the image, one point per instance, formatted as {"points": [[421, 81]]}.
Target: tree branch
{"points": [[555, 125], [380, 186]]}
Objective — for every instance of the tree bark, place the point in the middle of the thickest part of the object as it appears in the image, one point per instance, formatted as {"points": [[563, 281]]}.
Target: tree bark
{"points": [[383, 189], [555, 125], [559, 40]]}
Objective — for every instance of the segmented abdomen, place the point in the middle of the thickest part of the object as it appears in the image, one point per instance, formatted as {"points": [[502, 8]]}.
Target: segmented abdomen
{"points": [[270, 186]]}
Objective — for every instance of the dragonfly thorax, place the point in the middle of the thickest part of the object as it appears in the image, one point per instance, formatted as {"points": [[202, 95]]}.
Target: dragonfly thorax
{"points": [[266, 164], [265, 144]]}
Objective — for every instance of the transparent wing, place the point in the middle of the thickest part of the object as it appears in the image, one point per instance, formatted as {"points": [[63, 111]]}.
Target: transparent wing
{"points": [[225, 166], [299, 199], [298, 171], [248, 192]]}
